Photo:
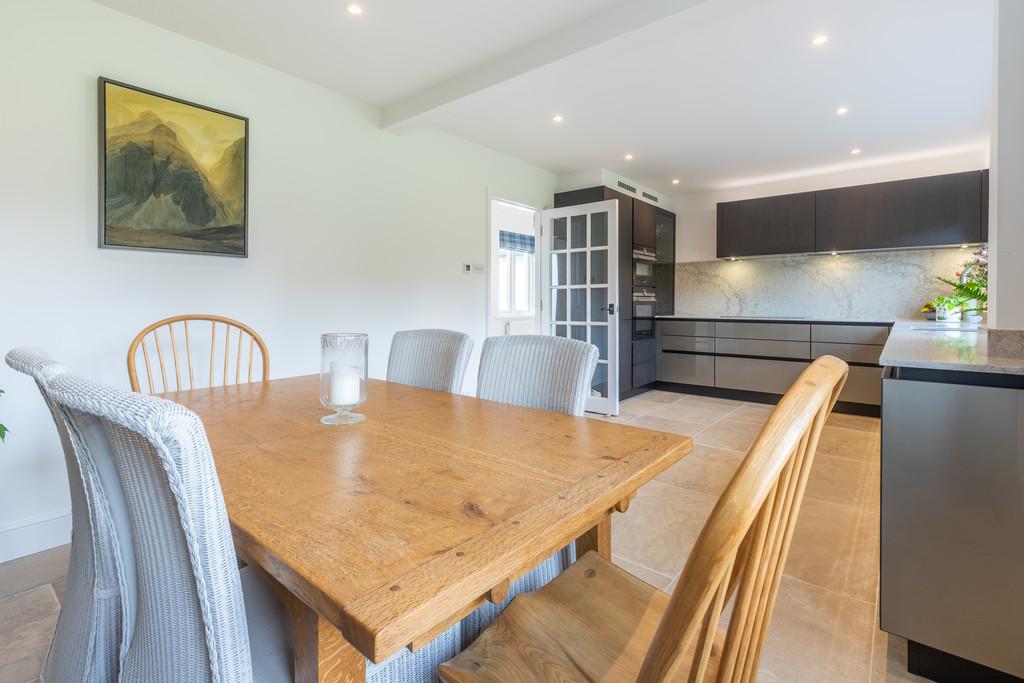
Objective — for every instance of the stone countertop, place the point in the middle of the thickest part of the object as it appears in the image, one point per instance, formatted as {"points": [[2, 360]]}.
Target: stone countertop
{"points": [[953, 349], [778, 319]]}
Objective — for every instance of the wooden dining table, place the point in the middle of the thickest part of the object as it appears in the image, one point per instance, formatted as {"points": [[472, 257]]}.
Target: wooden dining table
{"points": [[380, 535]]}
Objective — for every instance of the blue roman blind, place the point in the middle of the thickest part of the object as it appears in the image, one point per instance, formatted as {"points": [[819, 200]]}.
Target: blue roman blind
{"points": [[516, 241]]}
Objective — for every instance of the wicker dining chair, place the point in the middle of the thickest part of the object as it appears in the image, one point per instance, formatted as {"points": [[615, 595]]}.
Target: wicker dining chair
{"points": [[87, 640], [195, 617], [534, 371], [236, 353], [430, 359], [596, 622], [537, 371]]}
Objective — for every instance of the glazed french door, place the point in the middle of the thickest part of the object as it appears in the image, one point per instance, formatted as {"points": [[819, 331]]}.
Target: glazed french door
{"points": [[579, 285]]}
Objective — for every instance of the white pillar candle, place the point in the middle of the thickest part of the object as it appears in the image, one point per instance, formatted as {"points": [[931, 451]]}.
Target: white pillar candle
{"points": [[345, 381]]}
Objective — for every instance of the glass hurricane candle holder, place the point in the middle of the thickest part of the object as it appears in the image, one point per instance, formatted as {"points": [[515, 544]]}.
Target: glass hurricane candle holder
{"points": [[343, 376]]}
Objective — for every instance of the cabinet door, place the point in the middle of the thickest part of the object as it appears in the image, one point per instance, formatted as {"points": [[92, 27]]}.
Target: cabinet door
{"points": [[770, 225], [922, 212], [665, 263], [644, 231]]}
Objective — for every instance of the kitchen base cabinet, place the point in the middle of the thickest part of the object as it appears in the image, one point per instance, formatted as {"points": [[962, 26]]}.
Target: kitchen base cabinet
{"points": [[758, 360], [754, 374], [687, 368], [952, 515]]}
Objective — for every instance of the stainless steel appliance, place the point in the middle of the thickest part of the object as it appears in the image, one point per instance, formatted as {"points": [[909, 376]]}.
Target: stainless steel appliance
{"points": [[643, 266]]}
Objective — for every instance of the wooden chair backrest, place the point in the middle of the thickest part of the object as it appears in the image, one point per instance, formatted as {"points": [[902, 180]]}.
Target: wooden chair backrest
{"points": [[744, 543], [178, 344]]}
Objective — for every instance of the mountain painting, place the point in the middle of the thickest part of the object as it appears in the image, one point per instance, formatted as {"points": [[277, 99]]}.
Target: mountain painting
{"points": [[174, 174]]}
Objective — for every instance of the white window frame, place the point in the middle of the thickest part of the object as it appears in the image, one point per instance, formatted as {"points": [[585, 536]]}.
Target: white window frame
{"points": [[510, 283]]}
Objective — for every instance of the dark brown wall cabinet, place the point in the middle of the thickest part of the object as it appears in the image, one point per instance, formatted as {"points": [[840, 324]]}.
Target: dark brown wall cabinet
{"points": [[644, 228], [922, 212], [769, 225], [665, 263]]}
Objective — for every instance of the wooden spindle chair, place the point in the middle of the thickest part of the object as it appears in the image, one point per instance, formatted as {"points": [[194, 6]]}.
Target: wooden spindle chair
{"points": [[596, 622], [242, 347]]}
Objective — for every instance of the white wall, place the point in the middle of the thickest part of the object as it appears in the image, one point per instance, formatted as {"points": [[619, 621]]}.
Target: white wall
{"points": [[1007, 180], [350, 227], [696, 212]]}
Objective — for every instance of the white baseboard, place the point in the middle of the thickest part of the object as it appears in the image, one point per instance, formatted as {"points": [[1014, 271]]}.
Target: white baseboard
{"points": [[34, 534]]}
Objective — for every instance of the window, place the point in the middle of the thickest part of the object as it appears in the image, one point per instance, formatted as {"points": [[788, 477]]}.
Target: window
{"points": [[516, 263]]}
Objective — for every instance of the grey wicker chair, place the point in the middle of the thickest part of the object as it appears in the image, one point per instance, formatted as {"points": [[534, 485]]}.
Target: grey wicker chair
{"points": [[186, 618], [535, 371], [431, 359], [86, 643]]}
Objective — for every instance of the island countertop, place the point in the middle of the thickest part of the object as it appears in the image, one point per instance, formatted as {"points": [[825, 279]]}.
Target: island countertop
{"points": [[945, 349]]}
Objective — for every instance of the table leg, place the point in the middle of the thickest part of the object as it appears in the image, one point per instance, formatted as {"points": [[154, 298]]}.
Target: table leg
{"points": [[598, 538], [321, 653]]}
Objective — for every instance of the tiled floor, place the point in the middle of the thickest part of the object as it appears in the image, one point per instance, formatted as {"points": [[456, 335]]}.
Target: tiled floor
{"points": [[825, 624]]}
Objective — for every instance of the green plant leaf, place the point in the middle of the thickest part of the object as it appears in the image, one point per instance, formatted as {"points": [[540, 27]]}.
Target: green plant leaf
{"points": [[3, 432]]}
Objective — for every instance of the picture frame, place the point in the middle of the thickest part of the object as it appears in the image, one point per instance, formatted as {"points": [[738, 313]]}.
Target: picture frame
{"points": [[173, 174]]}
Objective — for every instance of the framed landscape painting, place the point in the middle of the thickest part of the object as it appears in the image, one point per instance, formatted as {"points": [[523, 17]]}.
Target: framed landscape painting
{"points": [[173, 174]]}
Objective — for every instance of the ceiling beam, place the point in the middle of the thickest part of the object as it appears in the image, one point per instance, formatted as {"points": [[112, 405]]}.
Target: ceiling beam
{"points": [[621, 19]]}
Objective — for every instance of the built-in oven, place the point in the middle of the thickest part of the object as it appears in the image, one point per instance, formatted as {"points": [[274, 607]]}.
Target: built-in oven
{"points": [[643, 267], [643, 313]]}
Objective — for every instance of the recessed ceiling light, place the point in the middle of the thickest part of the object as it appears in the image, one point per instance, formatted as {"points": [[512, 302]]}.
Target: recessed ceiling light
{"points": [[557, 118], [354, 8], [675, 181], [855, 151], [819, 39], [629, 157], [842, 110]]}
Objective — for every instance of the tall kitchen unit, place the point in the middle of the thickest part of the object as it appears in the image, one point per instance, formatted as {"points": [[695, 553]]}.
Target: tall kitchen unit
{"points": [[646, 267]]}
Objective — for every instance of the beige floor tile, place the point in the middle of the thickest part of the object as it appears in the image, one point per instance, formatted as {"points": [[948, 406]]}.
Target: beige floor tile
{"points": [[850, 443], [641, 405], [866, 424], [704, 412], [731, 433], [34, 570], [753, 412], [661, 396], [836, 547], [656, 579], [816, 635], [728, 402], [707, 469], [58, 588], [28, 620], [661, 424], [846, 481], [661, 526]]}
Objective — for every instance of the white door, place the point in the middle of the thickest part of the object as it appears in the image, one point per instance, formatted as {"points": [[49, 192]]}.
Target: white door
{"points": [[580, 278]]}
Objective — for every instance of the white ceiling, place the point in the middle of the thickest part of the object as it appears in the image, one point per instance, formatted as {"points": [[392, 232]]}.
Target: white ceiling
{"points": [[393, 49], [712, 92]]}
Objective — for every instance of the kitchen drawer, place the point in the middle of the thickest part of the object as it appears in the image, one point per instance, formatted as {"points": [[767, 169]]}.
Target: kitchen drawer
{"points": [[855, 353], [850, 334], [763, 347], [751, 374], [780, 331], [864, 385], [645, 373], [688, 328], [698, 344], [686, 368]]}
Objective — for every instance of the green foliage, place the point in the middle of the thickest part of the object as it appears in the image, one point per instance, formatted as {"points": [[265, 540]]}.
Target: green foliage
{"points": [[971, 290], [950, 303]]}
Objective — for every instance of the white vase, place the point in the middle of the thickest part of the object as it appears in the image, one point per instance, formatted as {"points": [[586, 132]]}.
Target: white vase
{"points": [[947, 315]]}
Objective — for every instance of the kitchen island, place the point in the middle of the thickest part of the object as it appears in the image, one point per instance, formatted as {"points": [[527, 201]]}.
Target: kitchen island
{"points": [[952, 502]]}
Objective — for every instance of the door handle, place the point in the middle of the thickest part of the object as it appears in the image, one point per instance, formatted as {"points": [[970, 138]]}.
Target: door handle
{"points": [[610, 308]]}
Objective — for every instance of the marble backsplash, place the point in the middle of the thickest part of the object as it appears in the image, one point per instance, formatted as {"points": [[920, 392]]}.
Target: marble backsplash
{"points": [[877, 285]]}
